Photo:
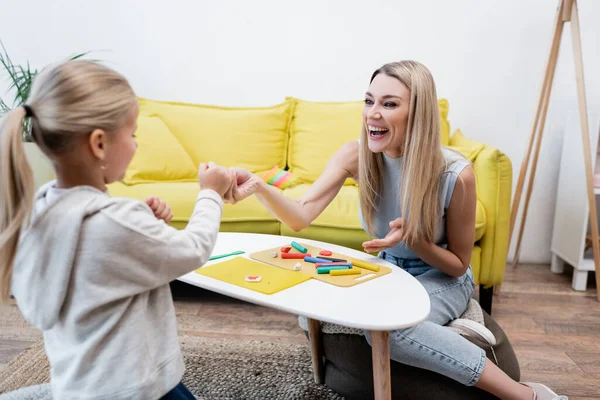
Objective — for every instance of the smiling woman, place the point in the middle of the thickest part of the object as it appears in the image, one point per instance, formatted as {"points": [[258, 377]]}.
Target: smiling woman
{"points": [[418, 201], [396, 130]]}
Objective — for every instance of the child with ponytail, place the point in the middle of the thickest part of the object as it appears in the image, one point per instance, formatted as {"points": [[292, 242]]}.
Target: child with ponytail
{"points": [[89, 270]]}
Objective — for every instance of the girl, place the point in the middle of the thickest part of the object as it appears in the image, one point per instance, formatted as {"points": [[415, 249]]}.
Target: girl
{"points": [[425, 222], [91, 271]]}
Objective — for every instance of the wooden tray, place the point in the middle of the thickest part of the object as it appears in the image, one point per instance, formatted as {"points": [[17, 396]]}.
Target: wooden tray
{"points": [[310, 269]]}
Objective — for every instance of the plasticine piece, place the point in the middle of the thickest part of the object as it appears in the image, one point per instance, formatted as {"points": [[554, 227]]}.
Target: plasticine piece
{"points": [[273, 254], [298, 247], [366, 265], [296, 256], [297, 267], [286, 249], [253, 278], [333, 264], [353, 271], [315, 260], [333, 259], [235, 253], [325, 253], [326, 270]]}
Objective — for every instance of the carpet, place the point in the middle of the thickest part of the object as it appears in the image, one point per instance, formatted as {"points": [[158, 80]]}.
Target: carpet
{"points": [[215, 369]]}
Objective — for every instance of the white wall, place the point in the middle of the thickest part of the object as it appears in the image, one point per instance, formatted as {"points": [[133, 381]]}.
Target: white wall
{"points": [[488, 59]]}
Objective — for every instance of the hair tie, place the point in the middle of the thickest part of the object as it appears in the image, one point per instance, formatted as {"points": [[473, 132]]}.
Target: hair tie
{"points": [[28, 111]]}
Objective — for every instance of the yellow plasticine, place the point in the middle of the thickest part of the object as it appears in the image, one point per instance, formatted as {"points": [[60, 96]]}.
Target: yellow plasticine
{"points": [[350, 271], [365, 265]]}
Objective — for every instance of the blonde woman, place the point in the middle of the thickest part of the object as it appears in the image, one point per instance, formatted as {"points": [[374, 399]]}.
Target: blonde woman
{"points": [[418, 199], [91, 271]]}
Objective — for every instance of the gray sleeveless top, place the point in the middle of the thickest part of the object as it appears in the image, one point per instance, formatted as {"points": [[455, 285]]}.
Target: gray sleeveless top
{"points": [[389, 200]]}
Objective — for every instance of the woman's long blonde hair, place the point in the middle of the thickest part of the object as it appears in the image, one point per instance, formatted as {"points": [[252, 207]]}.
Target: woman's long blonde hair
{"points": [[67, 101], [422, 163]]}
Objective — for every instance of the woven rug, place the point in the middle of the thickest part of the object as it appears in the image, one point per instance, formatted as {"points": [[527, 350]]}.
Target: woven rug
{"points": [[215, 369]]}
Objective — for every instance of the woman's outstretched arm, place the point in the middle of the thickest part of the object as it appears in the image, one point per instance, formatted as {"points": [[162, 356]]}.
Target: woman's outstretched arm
{"points": [[298, 214]]}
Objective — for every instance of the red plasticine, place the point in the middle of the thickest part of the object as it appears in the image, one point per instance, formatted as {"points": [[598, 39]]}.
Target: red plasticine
{"points": [[325, 253], [294, 255], [286, 249]]}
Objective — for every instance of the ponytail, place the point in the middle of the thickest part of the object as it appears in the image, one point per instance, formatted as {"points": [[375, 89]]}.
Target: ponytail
{"points": [[16, 193]]}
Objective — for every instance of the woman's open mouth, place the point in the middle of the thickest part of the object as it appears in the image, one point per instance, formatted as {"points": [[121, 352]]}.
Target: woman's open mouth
{"points": [[377, 132]]}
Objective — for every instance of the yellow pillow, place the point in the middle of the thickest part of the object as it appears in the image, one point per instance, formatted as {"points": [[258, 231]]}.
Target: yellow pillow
{"points": [[444, 123], [467, 147], [252, 138], [319, 129], [159, 156]]}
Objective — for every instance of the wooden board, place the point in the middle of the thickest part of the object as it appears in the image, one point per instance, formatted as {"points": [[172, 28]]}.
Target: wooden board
{"points": [[310, 269]]}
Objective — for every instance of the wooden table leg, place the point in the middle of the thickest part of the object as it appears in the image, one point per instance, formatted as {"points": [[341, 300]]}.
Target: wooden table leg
{"points": [[380, 347], [316, 349]]}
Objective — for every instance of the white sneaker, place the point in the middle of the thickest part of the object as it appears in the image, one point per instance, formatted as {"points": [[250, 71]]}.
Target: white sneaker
{"points": [[474, 329], [543, 392]]}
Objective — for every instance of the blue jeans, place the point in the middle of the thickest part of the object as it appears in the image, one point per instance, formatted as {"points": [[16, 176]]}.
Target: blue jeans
{"points": [[429, 345]]}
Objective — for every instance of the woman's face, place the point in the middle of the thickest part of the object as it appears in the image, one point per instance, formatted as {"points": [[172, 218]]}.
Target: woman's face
{"points": [[385, 115]]}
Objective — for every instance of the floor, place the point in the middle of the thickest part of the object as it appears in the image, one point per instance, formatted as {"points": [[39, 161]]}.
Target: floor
{"points": [[555, 331]]}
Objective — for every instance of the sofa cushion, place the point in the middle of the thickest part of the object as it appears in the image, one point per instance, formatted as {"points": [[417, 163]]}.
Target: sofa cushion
{"points": [[335, 123], [470, 149], [338, 223], [317, 130], [246, 216], [343, 211], [459, 140], [252, 138], [444, 122], [159, 156]]}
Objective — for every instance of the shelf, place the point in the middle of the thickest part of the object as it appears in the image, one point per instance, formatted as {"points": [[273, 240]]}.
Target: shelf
{"points": [[587, 264]]}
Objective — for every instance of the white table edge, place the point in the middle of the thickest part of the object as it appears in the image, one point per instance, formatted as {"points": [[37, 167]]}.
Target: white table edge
{"points": [[240, 296]]}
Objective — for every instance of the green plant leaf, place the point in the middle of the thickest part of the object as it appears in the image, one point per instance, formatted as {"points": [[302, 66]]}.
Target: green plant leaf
{"points": [[4, 108], [21, 78], [25, 84], [78, 56], [7, 62]]}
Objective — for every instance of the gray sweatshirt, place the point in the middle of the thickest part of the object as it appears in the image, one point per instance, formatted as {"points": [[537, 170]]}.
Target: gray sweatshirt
{"points": [[92, 273]]}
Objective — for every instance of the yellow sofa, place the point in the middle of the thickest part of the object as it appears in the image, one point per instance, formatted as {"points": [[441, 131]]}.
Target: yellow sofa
{"points": [[298, 135]]}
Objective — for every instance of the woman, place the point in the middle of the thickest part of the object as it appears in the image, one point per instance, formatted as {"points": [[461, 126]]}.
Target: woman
{"points": [[419, 199]]}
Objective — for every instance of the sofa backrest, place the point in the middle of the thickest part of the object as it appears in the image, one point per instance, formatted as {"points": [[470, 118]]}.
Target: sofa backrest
{"points": [[318, 129], [253, 138], [174, 138]]}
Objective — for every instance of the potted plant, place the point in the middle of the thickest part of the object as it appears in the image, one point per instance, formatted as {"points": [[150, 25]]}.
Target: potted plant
{"points": [[20, 78]]}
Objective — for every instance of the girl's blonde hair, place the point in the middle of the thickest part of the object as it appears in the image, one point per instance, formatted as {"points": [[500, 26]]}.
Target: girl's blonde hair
{"points": [[67, 101], [423, 162]]}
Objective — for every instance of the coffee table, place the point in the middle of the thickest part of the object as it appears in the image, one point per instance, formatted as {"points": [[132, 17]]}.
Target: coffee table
{"points": [[393, 301]]}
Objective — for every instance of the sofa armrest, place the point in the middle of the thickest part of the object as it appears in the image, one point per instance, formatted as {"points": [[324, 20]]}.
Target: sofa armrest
{"points": [[493, 170]]}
